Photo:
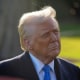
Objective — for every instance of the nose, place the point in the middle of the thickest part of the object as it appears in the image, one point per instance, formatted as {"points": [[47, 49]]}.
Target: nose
{"points": [[53, 37]]}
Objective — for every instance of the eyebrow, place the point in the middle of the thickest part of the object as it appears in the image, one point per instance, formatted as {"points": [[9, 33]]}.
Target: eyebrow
{"points": [[47, 30], [44, 32]]}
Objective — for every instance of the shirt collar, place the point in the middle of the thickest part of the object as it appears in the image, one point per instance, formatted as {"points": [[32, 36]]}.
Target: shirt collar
{"points": [[51, 64], [39, 65]]}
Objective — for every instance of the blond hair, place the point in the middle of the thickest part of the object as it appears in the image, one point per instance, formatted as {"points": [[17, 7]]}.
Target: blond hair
{"points": [[35, 17]]}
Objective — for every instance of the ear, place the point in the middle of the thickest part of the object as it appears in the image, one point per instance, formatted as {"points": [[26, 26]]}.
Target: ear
{"points": [[27, 44]]}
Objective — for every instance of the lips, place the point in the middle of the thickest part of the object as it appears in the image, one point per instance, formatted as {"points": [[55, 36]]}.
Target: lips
{"points": [[53, 46]]}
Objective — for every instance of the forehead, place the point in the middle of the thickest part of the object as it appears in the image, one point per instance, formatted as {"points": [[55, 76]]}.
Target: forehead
{"points": [[48, 25]]}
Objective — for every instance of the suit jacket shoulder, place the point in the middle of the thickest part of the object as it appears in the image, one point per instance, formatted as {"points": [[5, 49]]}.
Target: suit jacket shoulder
{"points": [[66, 70], [19, 66]]}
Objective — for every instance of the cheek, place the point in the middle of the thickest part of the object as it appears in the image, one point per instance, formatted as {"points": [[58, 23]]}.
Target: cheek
{"points": [[42, 45]]}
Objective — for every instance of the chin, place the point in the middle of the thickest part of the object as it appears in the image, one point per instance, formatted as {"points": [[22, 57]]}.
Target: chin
{"points": [[54, 53]]}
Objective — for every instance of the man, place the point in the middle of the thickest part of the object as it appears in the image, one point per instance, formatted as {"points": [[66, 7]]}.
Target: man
{"points": [[40, 40]]}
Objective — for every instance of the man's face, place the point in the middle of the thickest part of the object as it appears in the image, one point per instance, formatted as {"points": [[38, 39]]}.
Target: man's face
{"points": [[45, 42]]}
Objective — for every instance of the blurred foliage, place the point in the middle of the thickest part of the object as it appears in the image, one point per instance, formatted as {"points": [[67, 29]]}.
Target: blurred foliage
{"points": [[66, 27], [70, 30]]}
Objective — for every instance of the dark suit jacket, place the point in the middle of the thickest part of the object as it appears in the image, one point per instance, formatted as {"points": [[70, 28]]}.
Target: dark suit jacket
{"points": [[22, 67]]}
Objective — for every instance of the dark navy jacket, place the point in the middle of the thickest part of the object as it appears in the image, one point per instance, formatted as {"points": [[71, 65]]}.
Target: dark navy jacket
{"points": [[21, 66]]}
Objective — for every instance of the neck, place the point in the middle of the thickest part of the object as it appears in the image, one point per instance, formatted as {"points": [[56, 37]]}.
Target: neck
{"points": [[45, 60]]}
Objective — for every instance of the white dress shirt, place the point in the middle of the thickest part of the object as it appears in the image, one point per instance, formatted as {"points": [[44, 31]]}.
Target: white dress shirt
{"points": [[39, 66]]}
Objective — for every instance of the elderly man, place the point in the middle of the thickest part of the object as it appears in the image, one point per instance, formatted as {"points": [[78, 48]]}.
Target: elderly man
{"points": [[40, 40]]}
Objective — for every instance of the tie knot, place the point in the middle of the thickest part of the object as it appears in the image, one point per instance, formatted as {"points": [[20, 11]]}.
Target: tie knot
{"points": [[46, 68]]}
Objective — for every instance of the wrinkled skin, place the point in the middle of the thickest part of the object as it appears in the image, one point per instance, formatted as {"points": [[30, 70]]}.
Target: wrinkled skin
{"points": [[45, 41]]}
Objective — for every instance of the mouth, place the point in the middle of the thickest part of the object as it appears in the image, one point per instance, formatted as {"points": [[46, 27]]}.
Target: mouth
{"points": [[56, 47], [53, 46]]}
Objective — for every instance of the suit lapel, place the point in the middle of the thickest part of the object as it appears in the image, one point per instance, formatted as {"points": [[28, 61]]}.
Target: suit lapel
{"points": [[30, 72], [57, 69], [60, 72]]}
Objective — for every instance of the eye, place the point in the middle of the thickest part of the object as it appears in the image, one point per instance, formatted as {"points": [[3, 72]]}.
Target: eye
{"points": [[46, 35], [56, 32]]}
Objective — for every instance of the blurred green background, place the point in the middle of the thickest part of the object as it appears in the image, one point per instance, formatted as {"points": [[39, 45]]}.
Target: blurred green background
{"points": [[68, 15]]}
